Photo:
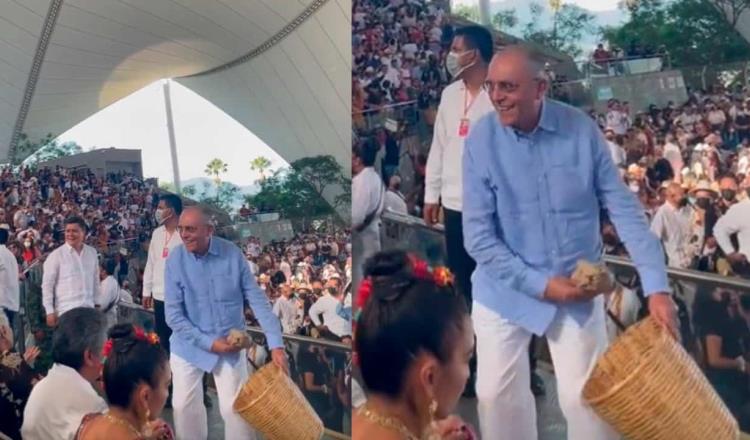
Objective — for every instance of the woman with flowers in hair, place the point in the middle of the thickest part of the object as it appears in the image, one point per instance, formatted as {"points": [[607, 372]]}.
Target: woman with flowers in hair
{"points": [[136, 377], [413, 342]]}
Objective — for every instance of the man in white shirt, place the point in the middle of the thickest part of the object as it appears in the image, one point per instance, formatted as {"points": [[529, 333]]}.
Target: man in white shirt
{"points": [[327, 305], [736, 220], [618, 153], [673, 225], [368, 196], [71, 273], [285, 308], [109, 292], [59, 401], [617, 119], [673, 154], [462, 104], [394, 200], [9, 289]]}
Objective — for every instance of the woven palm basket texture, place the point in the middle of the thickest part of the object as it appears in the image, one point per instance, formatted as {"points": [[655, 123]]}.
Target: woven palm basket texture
{"points": [[649, 388], [271, 403]]}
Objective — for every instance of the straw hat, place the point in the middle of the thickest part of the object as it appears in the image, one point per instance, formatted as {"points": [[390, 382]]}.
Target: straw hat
{"points": [[704, 185]]}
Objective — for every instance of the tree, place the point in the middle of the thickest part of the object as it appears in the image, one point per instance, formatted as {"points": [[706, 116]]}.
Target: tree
{"points": [[469, 12], [695, 32], [504, 20], [215, 168], [569, 24], [260, 164], [31, 153], [732, 9], [319, 171]]}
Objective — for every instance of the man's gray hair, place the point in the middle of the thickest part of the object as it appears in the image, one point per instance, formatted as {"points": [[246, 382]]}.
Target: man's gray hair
{"points": [[534, 59], [77, 331]]}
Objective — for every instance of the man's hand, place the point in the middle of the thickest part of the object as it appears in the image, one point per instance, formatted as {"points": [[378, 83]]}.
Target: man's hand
{"points": [[148, 302], [52, 320], [663, 309], [221, 346], [31, 354], [431, 213], [278, 357], [565, 290]]}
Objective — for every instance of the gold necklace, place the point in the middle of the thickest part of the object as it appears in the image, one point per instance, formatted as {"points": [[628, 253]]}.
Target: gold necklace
{"points": [[387, 422], [125, 423]]}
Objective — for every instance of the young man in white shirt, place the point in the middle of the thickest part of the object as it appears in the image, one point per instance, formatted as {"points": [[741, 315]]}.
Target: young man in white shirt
{"points": [[673, 225], [368, 197], [462, 104], [394, 200], [59, 401], [736, 220], [71, 273], [9, 288], [327, 305], [109, 292]]}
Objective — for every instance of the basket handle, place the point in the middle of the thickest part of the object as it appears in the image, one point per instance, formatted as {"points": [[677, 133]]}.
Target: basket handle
{"points": [[616, 320]]}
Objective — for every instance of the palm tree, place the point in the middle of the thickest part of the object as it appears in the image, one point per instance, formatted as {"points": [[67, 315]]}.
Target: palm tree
{"points": [[216, 168], [260, 164]]}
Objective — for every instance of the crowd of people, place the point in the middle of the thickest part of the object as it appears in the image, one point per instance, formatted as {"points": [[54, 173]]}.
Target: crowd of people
{"points": [[397, 50], [688, 164], [98, 252]]}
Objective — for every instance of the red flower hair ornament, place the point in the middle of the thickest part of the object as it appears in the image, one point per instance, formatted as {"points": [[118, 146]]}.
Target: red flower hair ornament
{"points": [[152, 338]]}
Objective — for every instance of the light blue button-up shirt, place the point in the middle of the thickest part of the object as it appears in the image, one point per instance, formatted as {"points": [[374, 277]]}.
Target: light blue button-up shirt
{"points": [[531, 211], [204, 301]]}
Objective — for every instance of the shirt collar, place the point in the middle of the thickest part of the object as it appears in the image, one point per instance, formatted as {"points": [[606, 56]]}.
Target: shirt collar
{"points": [[547, 122], [213, 247]]}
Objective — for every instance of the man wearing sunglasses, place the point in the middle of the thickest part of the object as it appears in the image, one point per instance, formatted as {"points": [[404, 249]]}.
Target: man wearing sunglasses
{"points": [[535, 175]]}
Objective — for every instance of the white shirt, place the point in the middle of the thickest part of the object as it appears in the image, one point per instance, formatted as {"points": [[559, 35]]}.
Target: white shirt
{"points": [[153, 274], [327, 306], [736, 220], [106, 300], [673, 226], [288, 313], [673, 154], [367, 192], [625, 305], [618, 121], [58, 403], [10, 294], [286, 268], [618, 153], [443, 173], [70, 279], [395, 202]]}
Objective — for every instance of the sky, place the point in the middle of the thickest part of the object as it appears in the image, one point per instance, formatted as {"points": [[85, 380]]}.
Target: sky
{"points": [[592, 5], [202, 132]]}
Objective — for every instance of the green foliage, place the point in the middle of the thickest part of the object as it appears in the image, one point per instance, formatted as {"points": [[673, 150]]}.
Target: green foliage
{"points": [[569, 26], [505, 19], [31, 152], [469, 12], [297, 192], [694, 32], [216, 167], [260, 164]]}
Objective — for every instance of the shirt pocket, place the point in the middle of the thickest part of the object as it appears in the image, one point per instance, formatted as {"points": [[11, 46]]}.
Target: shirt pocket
{"points": [[570, 192]]}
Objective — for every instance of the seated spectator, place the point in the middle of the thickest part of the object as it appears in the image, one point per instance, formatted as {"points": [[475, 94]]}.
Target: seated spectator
{"points": [[17, 377], [136, 381], [722, 330], [59, 402]]}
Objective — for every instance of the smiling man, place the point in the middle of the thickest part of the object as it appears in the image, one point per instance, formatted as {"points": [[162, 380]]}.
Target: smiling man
{"points": [[71, 273], [535, 175], [207, 279]]}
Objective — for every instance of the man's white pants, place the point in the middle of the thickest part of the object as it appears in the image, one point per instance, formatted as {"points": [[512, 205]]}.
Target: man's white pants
{"points": [[507, 410], [190, 418]]}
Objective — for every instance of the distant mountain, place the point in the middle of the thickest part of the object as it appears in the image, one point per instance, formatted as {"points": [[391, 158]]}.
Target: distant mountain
{"points": [[523, 14]]}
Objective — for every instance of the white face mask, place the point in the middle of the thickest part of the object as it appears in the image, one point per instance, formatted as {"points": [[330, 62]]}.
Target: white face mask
{"points": [[160, 217], [453, 65]]}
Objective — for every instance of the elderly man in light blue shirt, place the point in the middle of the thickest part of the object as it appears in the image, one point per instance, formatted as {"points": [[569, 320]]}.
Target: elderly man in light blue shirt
{"points": [[206, 281], [536, 174]]}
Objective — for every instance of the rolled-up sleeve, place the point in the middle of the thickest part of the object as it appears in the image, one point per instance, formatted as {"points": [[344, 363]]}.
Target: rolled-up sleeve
{"points": [[260, 305], [629, 219], [482, 233], [174, 307]]}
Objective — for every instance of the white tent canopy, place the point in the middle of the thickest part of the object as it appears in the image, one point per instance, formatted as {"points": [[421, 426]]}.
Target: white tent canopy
{"points": [[279, 67]]}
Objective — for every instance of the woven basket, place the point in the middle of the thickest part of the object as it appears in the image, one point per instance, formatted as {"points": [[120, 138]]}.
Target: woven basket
{"points": [[648, 388], [271, 403]]}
